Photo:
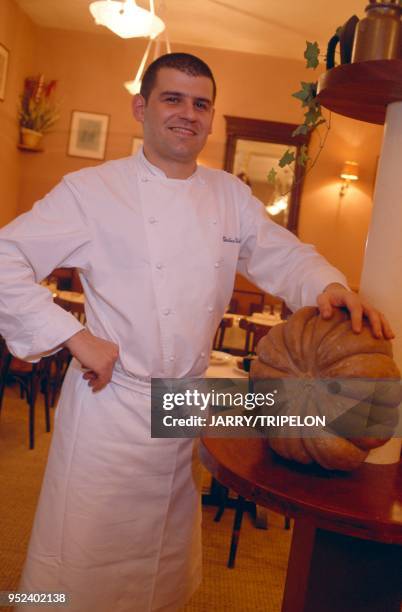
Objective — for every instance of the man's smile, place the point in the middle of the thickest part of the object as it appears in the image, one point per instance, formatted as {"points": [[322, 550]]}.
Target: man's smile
{"points": [[182, 130]]}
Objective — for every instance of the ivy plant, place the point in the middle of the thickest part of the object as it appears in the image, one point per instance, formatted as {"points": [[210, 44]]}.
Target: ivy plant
{"points": [[313, 118]]}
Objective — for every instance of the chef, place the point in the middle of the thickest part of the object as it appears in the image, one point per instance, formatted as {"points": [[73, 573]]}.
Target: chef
{"points": [[157, 241]]}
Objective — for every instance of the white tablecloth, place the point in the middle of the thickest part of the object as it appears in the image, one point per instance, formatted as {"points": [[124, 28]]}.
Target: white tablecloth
{"points": [[226, 370], [71, 296]]}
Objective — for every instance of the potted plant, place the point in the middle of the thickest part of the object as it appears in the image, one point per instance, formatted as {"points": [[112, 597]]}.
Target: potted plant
{"points": [[37, 110]]}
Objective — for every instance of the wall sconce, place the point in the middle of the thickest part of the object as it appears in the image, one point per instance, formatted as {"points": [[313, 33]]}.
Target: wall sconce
{"points": [[277, 207], [350, 172]]}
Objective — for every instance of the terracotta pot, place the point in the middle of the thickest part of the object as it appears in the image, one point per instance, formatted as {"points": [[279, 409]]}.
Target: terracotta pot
{"points": [[30, 138]]}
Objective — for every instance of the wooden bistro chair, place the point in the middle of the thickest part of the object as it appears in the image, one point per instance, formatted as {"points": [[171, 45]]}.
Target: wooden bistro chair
{"points": [[5, 359], [241, 505], [254, 333], [247, 299], [253, 307], [45, 375], [233, 306], [31, 378], [220, 333]]}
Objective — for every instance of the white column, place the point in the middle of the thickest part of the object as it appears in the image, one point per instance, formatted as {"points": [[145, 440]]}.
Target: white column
{"points": [[381, 280]]}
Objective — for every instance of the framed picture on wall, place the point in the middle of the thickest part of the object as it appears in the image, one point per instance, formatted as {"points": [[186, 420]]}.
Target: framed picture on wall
{"points": [[136, 145], [4, 53], [88, 133]]}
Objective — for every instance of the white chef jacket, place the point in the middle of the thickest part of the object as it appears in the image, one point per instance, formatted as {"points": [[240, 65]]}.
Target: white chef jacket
{"points": [[157, 259], [118, 520]]}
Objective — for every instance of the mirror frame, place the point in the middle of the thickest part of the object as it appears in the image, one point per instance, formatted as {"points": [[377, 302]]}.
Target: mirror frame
{"points": [[242, 128]]}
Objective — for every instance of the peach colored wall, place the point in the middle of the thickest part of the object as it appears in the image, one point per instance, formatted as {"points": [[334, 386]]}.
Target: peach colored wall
{"points": [[17, 34], [338, 226], [91, 68]]}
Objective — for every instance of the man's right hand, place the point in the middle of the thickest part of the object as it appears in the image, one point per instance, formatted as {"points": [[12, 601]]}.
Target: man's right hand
{"points": [[96, 354]]}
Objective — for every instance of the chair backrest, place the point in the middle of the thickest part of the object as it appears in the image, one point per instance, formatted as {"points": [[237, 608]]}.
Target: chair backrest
{"points": [[254, 333], [76, 308], [245, 298], [253, 307], [285, 312], [233, 306], [76, 282], [5, 360], [247, 302], [67, 279], [220, 333], [5, 356]]}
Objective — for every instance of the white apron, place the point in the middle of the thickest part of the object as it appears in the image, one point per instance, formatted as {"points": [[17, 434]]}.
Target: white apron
{"points": [[118, 522]]}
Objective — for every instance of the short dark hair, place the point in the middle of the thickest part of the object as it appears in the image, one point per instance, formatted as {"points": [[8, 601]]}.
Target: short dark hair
{"points": [[185, 62]]}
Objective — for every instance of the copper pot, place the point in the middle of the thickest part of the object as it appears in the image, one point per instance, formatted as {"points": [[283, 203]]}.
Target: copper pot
{"points": [[378, 35]]}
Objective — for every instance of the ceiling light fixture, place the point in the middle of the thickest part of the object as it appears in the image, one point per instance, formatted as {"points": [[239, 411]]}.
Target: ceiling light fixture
{"points": [[133, 87], [126, 19]]}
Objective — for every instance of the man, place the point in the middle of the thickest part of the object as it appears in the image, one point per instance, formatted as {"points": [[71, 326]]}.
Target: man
{"points": [[118, 521]]}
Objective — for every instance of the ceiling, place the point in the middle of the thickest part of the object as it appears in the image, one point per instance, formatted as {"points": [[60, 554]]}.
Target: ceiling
{"points": [[268, 27]]}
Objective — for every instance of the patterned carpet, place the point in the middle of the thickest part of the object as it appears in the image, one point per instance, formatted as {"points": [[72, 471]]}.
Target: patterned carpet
{"points": [[255, 585]]}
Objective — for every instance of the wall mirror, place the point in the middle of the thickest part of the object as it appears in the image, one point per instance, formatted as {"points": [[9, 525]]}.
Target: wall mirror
{"points": [[253, 147]]}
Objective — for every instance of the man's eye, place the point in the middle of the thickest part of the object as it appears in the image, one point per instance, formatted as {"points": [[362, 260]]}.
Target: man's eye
{"points": [[172, 99], [201, 105]]}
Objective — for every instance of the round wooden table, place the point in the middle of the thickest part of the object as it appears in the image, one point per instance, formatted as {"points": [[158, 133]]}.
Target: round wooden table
{"points": [[346, 552]]}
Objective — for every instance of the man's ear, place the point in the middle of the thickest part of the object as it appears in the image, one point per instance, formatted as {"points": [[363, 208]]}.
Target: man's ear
{"points": [[139, 107]]}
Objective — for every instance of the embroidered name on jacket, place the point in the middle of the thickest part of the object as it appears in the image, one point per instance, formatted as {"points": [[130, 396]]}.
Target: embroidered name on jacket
{"points": [[235, 240]]}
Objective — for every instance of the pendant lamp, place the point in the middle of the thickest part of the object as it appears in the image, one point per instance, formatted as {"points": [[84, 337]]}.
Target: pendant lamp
{"points": [[134, 86], [126, 19]]}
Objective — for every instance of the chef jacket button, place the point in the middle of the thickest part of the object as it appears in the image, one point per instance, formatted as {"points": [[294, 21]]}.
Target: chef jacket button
{"points": [[214, 222], [210, 309], [166, 311], [144, 179], [202, 354], [216, 264], [172, 357], [159, 266], [152, 220]]}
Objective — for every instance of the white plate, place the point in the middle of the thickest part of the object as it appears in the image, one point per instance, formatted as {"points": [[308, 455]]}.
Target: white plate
{"points": [[267, 319], [219, 358], [240, 371]]}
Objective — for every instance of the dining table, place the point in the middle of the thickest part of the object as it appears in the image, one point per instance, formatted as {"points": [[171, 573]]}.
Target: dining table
{"points": [[76, 297], [71, 296], [235, 336], [346, 551], [224, 365]]}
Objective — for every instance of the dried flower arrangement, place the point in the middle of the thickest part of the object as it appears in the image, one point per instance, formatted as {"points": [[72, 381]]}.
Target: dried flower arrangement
{"points": [[37, 109]]}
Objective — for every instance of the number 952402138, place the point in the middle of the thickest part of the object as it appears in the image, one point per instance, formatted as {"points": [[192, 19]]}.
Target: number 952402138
{"points": [[11, 598]]}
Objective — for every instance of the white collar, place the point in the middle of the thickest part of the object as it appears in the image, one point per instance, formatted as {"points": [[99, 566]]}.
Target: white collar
{"points": [[156, 171]]}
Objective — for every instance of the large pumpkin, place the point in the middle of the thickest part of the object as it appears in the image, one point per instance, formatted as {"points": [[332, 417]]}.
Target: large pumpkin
{"points": [[309, 348]]}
